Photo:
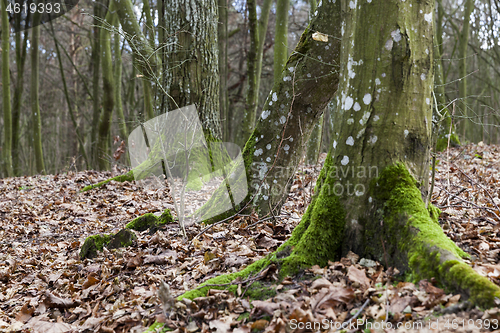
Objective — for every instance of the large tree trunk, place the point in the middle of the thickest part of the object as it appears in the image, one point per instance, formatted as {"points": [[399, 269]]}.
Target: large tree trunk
{"points": [[7, 115], [370, 195]]}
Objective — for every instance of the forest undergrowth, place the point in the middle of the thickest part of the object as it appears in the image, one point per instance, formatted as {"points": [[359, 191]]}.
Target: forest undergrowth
{"points": [[46, 287]]}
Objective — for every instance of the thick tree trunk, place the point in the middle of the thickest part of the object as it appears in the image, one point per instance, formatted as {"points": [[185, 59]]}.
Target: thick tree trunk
{"points": [[35, 103], [7, 112], [370, 196], [122, 124], [223, 63]]}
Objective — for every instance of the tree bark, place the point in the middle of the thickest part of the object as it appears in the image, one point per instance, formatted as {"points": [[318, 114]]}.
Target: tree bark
{"points": [[108, 98], [280, 38], [192, 76], [35, 103], [122, 124], [462, 66], [7, 111]]}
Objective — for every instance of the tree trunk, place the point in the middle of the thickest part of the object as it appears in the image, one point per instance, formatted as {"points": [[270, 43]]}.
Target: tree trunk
{"points": [[223, 63], [108, 100], [35, 103], [277, 143], [252, 66], [462, 66], [314, 142], [21, 51], [280, 38], [96, 90], [370, 195], [7, 112], [122, 124], [192, 75]]}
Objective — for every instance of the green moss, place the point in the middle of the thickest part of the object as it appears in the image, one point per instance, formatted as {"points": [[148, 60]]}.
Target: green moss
{"points": [[429, 252], [166, 217], [143, 222], [128, 177], [201, 291], [93, 244], [261, 291], [123, 238], [434, 212], [442, 142], [158, 328], [319, 236]]}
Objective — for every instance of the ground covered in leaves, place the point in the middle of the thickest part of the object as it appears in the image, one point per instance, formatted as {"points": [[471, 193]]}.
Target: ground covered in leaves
{"points": [[45, 287]]}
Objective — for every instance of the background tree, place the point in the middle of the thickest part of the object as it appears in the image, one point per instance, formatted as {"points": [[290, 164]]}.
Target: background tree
{"points": [[7, 112]]}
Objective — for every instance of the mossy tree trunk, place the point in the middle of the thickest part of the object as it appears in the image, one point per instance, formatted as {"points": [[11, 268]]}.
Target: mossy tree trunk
{"points": [[193, 66], [290, 112], [35, 102], [223, 70], [7, 111], [371, 194], [122, 124]]}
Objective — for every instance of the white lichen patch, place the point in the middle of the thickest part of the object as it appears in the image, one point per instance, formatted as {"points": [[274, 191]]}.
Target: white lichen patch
{"points": [[357, 107], [268, 146], [275, 97], [360, 133], [287, 78], [268, 159], [258, 152], [396, 35], [377, 81], [388, 44], [428, 101], [265, 114], [365, 117], [373, 139], [422, 76], [406, 133], [376, 118], [428, 17], [350, 121], [286, 147], [282, 119], [345, 160], [348, 103], [291, 69], [367, 99], [334, 144], [350, 141]]}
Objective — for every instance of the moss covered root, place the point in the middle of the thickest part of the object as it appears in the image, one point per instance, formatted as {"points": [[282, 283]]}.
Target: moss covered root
{"points": [[127, 177], [150, 221], [429, 253]]}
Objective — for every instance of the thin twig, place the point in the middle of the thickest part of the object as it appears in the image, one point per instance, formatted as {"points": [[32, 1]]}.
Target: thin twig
{"points": [[347, 323]]}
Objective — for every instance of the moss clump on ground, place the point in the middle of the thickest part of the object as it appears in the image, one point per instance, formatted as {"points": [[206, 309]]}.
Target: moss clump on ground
{"points": [[93, 244], [150, 221], [123, 238]]}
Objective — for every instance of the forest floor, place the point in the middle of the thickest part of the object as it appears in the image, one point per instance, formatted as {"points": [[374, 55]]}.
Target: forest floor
{"points": [[45, 287]]}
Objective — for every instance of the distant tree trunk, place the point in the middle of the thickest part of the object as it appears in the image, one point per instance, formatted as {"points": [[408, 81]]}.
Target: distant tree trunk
{"points": [[192, 75], [122, 124], [146, 84], [108, 98], [7, 112], [280, 38], [462, 66], [68, 100], [35, 103], [223, 71], [21, 52], [99, 11], [252, 97]]}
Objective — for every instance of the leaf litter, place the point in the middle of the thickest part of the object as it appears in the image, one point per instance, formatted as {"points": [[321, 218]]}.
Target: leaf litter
{"points": [[45, 287]]}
